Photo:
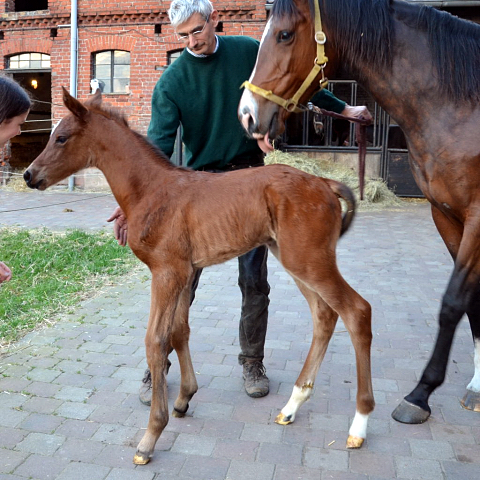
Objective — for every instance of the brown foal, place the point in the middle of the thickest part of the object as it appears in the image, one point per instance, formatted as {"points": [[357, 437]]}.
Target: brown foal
{"points": [[180, 220]]}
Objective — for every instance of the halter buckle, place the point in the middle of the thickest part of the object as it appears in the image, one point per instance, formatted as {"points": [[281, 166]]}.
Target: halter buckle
{"points": [[320, 37]]}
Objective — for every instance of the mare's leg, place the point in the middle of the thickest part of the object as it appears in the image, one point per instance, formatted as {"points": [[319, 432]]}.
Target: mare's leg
{"points": [[457, 300], [320, 273], [471, 400], [167, 287], [180, 338]]}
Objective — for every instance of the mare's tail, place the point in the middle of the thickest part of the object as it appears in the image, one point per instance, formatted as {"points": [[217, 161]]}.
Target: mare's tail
{"points": [[343, 192]]}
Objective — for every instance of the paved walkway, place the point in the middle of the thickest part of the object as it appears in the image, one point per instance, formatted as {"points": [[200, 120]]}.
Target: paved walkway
{"points": [[68, 393]]}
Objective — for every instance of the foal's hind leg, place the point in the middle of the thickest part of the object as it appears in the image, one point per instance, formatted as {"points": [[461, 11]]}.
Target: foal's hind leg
{"points": [[320, 274], [324, 320], [180, 338]]}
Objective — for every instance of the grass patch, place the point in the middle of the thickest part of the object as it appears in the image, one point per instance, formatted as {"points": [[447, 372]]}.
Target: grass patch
{"points": [[52, 272]]}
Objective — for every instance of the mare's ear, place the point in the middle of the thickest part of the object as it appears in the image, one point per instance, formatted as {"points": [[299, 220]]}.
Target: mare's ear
{"points": [[74, 105], [95, 100]]}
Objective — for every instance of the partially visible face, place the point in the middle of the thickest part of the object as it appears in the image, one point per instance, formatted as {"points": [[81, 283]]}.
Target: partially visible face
{"points": [[11, 127], [201, 42]]}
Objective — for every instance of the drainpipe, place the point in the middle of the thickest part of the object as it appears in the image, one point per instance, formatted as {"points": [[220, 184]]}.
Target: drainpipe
{"points": [[73, 63]]}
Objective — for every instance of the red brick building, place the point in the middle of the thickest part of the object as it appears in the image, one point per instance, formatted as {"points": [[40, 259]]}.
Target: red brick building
{"points": [[124, 44]]}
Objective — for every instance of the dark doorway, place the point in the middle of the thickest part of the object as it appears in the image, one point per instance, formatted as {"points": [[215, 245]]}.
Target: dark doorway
{"points": [[36, 131]]}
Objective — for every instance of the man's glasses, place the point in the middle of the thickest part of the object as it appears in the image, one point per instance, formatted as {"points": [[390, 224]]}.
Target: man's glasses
{"points": [[185, 36]]}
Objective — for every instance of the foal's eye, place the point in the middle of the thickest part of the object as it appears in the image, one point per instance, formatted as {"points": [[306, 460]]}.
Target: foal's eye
{"points": [[61, 139], [284, 36]]}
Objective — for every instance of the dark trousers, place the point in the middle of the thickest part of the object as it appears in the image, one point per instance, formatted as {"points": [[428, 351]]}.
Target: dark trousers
{"points": [[252, 280]]}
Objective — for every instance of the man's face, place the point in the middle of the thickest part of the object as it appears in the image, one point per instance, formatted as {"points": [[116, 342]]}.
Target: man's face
{"points": [[198, 34]]}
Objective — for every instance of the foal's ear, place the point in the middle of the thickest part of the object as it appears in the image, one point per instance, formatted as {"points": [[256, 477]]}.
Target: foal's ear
{"points": [[74, 105], [95, 100]]}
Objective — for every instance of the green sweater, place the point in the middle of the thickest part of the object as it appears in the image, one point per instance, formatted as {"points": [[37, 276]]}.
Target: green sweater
{"points": [[202, 94]]}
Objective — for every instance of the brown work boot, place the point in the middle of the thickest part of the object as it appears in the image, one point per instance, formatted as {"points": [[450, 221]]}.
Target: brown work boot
{"points": [[145, 394], [256, 380]]}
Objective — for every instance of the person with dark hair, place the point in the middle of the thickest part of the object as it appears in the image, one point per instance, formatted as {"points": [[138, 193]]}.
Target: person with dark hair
{"points": [[14, 107]]}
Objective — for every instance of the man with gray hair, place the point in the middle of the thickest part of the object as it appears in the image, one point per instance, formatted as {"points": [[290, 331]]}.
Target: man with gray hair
{"points": [[201, 91]]}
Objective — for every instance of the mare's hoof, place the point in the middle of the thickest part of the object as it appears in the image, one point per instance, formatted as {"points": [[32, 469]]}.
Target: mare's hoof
{"points": [[141, 458], [179, 414], [407, 412], [283, 419], [354, 442], [471, 401]]}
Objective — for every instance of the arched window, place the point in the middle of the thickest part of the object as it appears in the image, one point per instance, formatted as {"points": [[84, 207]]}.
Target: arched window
{"points": [[29, 61], [112, 70]]}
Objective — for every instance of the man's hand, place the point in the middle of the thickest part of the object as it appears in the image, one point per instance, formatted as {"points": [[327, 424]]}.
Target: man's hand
{"points": [[361, 112], [5, 273], [120, 226]]}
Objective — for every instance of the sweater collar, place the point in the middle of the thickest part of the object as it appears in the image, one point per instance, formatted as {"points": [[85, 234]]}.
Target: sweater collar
{"points": [[203, 55]]}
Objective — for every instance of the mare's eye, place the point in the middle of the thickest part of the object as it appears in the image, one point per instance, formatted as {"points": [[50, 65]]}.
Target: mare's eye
{"points": [[284, 36], [61, 139]]}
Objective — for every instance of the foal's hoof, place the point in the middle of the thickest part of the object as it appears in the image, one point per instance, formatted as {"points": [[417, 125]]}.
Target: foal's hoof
{"points": [[141, 458], [178, 413], [283, 419], [407, 412], [354, 442], [471, 401]]}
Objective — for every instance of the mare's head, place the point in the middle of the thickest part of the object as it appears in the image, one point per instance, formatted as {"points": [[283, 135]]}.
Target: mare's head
{"points": [[285, 58], [68, 149]]}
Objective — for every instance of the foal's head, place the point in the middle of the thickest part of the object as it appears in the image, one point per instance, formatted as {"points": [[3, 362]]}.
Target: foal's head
{"points": [[70, 146]]}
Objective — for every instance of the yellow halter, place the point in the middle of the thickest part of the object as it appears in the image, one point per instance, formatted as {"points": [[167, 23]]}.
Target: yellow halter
{"points": [[318, 66]]}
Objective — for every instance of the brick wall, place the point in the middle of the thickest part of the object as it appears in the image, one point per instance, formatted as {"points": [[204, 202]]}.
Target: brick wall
{"points": [[112, 25]]}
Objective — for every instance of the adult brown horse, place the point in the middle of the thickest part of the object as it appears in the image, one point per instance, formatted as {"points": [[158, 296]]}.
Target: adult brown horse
{"points": [[180, 220], [422, 66]]}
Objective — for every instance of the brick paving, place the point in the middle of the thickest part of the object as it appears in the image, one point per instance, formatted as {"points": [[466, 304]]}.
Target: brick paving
{"points": [[68, 393]]}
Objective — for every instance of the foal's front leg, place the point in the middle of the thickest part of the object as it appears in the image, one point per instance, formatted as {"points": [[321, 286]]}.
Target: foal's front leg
{"points": [[166, 290]]}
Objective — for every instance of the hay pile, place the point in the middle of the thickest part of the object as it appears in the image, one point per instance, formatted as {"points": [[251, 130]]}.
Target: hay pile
{"points": [[16, 183], [376, 194]]}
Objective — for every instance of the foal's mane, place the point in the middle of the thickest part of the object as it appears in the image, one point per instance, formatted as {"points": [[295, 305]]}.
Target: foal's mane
{"points": [[364, 32], [118, 117]]}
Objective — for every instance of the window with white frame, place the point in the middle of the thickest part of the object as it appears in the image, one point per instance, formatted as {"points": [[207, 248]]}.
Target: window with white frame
{"points": [[111, 69], [29, 61]]}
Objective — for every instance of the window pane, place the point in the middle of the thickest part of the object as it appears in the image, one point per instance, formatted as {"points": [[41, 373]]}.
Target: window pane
{"points": [[121, 71], [35, 56], [120, 85], [46, 63], [103, 71], [103, 58], [35, 64], [24, 56], [24, 64], [108, 86], [13, 63], [121, 58]]}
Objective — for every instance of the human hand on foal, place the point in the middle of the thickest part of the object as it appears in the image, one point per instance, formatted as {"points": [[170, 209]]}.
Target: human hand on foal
{"points": [[360, 112], [5, 273], [120, 226]]}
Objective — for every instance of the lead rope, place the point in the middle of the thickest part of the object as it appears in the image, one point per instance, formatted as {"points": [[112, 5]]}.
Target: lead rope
{"points": [[361, 137]]}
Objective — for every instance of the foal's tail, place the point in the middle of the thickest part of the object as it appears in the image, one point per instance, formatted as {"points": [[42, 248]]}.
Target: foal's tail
{"points": [[343, 192]]}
